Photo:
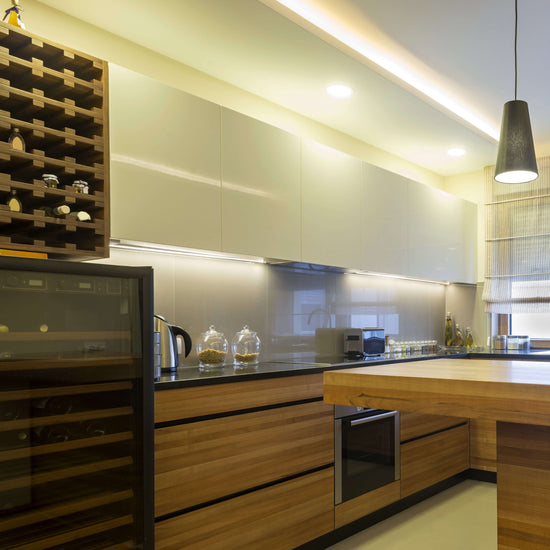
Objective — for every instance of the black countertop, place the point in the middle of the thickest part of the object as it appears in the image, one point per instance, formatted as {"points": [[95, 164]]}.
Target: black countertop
{"points": [[187, 376]]}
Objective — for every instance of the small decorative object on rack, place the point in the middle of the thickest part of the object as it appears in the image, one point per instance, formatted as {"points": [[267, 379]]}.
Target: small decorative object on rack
{"points": [[16, 140], [13, 15], [53, 135]]}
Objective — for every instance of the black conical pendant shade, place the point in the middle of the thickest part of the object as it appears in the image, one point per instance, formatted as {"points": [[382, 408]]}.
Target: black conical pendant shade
{"points": [[516, 161]]}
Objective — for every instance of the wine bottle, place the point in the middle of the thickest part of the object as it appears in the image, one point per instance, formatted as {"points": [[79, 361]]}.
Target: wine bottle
{"points": [[81, 216], [61, 404], [53, 434], [55, 211], [14, 439], [13, 202]]}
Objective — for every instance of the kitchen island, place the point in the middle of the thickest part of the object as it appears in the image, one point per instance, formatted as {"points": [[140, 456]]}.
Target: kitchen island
{"points": [[514, 393]]}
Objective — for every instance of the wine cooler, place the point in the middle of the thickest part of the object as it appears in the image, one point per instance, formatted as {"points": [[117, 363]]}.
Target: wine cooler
{"points": [[76, 400]]}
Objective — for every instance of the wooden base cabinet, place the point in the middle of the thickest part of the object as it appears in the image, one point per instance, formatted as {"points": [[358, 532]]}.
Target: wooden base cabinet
{"points": [[279, 517], [483, 444], [433, 458], [198, 462]]}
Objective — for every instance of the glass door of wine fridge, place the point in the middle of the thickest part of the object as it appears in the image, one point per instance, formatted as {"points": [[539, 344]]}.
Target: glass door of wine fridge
{"points": [[76, 394]]}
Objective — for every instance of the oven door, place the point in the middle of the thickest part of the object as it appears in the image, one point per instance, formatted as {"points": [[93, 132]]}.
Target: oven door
{"points": [[366, 453]]}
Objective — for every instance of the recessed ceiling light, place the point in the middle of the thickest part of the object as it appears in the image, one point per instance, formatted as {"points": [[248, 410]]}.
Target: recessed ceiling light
{"points": [[456, 152], [339, 90]]}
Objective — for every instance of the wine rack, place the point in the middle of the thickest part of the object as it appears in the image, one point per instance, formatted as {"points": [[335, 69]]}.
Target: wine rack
{"points": [[57, 99], [67, 452]]}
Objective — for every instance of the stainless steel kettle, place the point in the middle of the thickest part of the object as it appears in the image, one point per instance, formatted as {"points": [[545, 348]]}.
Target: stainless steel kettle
{"points": [[169, 344]]}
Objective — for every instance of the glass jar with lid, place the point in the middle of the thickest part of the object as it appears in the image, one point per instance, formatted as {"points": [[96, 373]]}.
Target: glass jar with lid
{"points": [[212, 348], [246, 348]]}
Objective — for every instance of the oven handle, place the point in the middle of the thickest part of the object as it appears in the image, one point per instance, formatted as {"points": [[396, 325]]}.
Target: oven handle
{"points": [[372, 418]]}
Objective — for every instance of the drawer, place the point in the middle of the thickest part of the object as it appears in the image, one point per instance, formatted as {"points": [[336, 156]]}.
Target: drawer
{"points": [[198, 462], [205, 400], [417, 424], [433, 458], [280, 517]]}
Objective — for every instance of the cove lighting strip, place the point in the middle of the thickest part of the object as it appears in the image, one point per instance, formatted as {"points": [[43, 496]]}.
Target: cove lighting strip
{"points": [[315, 15], [180, 251], [403, 277]]}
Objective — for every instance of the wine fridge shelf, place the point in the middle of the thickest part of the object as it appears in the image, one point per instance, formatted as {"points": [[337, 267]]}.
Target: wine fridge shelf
{"points": [[57, 99], [71, 486]]}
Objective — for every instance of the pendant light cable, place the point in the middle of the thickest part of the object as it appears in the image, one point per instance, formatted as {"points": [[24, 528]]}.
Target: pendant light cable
{"points": [[516, 55]]}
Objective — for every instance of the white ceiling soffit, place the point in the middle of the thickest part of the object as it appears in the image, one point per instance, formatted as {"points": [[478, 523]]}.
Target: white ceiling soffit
{"points": [[465, 48]]}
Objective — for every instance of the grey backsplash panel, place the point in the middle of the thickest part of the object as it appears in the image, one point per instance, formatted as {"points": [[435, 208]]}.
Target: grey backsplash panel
{"points": [[288, 305]]}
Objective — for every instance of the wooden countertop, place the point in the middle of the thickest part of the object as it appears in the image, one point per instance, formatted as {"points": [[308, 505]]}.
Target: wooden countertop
{"points": [[512, 391]]}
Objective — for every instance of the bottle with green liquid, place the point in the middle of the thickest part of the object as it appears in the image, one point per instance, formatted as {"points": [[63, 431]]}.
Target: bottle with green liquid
{"points": [[449, 330]]}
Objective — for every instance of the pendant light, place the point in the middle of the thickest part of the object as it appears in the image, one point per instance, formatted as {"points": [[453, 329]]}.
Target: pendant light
{"points": [[516, 161]]}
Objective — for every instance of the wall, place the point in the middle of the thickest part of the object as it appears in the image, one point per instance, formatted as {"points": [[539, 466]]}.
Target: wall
{"points": [[286, 306]]}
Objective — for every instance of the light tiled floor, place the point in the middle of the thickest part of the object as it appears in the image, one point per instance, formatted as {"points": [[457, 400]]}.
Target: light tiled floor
{"points": [[463, 517]]}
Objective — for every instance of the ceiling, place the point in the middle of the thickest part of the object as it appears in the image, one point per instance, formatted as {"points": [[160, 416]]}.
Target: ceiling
{"points": [[462, 51]]}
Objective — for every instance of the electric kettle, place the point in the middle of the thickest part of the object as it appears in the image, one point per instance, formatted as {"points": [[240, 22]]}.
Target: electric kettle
{"points": [[169, 344]]}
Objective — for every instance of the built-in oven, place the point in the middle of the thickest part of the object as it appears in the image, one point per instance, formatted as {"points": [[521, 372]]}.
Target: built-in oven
{"points": [[367, 446]]}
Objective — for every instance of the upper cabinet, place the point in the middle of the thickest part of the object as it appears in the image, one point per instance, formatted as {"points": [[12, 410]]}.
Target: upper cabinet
{"points": [[260, 188], [384, 221], [331, 206], [441, 235], [55, 100], [165, 163], [187, 172]]}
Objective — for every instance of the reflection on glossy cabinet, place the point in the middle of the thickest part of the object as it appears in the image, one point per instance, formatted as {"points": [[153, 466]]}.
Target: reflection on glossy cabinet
{"points": [[441, 235], [165, 163], [260, 188], [331, 211], [384, 221]]}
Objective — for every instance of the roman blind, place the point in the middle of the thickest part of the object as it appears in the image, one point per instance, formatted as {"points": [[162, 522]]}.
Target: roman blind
{"points": [[517, 271]]}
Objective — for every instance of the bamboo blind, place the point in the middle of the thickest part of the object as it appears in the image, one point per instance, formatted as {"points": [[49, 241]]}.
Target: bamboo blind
{"points": [[518, 244]]}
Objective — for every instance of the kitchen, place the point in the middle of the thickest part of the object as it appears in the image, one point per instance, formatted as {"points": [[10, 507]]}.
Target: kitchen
{"points": [[151, 153]]}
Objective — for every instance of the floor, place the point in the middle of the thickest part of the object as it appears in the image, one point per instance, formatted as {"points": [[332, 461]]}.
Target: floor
{"points": [[462, 517]]}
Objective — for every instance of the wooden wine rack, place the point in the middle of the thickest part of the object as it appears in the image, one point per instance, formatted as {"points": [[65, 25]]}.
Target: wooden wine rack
{"points": [[57, 98], [73, 492]]}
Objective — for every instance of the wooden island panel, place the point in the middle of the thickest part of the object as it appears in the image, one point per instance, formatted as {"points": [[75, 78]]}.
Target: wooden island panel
{"points": [[515, 394], [514, 391]]}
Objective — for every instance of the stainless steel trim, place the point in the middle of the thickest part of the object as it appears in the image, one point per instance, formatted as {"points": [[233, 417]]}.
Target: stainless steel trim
{"points": [[373, 418], [397, 432], [337, 462]]}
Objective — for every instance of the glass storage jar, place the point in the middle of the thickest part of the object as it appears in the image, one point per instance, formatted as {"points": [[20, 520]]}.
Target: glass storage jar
{"points": [[246, 347], [212, 348]]}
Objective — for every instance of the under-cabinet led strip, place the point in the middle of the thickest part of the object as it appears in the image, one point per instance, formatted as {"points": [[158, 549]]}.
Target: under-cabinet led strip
{"points": [[180, 251], [405, 278]]}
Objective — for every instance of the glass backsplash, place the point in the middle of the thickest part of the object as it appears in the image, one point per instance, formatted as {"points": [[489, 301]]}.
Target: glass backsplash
{"points": [[289, 307]]}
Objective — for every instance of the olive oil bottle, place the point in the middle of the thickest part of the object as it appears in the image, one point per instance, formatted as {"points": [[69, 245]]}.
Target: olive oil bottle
{"points": [[449, 330]]}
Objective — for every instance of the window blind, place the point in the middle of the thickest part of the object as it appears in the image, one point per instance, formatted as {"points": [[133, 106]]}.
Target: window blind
{"points": [[517, 271]]}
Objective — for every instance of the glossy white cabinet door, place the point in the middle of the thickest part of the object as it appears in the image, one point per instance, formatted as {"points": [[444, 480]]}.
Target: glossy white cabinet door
{"points": [[331, 206], [384, 221], [441, 230], [260, 188], [165, 163]]}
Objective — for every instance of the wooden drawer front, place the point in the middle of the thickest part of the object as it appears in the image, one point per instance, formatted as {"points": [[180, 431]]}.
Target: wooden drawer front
{"points": [[279, 517], [365, 504], [483, 444], [201, 461], [433, 458], [418, 424], [213, 399]]}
